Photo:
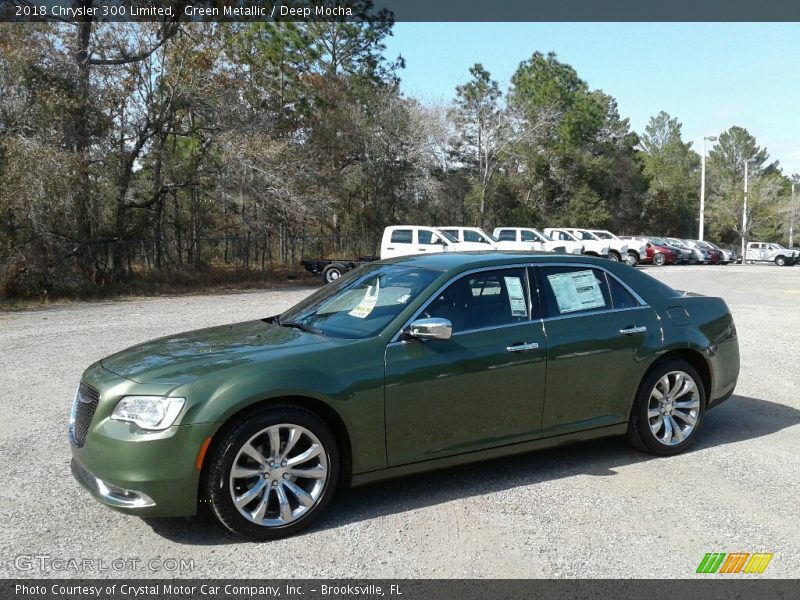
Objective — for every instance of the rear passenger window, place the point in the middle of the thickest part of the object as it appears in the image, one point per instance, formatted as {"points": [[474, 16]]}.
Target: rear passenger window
{"points": [[506, 235], [401, 236], [573, 290], [620, 296]]}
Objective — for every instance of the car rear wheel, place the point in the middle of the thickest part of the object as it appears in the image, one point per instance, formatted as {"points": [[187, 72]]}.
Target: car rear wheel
{"points": [[332, 272], [272, 473], [659, 259], [668, 409]]}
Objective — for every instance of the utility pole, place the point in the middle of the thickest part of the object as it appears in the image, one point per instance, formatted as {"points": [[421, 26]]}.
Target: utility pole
{"points": [[792, 211], [744, 211], [710, 138]]}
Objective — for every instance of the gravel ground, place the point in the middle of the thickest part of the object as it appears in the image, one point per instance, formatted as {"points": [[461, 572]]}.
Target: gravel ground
{"points": [[591, 510]]}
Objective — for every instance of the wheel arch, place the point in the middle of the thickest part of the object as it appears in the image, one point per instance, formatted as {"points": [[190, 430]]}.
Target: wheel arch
{"points": [[322, 409], [695, 358]]}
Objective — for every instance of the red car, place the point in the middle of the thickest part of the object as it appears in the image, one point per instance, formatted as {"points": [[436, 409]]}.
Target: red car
{"points": [[659, 253]]}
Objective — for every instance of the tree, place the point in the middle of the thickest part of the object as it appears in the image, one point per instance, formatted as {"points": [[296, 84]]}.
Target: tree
{"points": [[672, 170], [725, 171], [481, 129]]}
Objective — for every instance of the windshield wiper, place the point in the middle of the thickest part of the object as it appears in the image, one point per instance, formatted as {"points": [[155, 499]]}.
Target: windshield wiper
{"points": [[298, 325]]}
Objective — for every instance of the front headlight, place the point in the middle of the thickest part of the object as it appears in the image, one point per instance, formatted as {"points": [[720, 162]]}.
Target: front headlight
{"points": [[153, 413]]}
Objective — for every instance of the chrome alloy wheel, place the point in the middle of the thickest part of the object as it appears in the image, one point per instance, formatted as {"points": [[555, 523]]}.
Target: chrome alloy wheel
{"points": [[279, 475], [673, 408]]}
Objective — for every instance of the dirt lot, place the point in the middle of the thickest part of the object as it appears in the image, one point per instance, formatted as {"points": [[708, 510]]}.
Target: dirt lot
{"points": [[592, 510]]}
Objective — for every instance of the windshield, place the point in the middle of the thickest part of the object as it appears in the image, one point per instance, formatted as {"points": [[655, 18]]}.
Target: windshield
{"points": [[447, 236], [658, 241], [605, 235], [360, 304], [778, 247], [489, 236]]}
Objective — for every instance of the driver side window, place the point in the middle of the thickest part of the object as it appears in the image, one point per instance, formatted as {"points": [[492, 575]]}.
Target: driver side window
{"points": [[480, 300]]}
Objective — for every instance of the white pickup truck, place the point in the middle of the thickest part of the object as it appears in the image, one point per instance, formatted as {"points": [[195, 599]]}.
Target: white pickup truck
{"points": [[591, 246], [541, 242], [617, 249], [403, 240], [479, 236], [636, 251], [769, 252]]}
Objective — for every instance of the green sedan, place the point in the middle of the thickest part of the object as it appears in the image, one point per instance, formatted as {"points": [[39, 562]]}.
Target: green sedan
{"points": [[401, 366]]}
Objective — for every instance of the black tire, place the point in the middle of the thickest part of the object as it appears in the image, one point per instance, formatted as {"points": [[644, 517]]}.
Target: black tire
{"points": [[217, 484], [780, 260], [332, 272], [614, 255], [659, 259], [632, 259], [640, 435]]}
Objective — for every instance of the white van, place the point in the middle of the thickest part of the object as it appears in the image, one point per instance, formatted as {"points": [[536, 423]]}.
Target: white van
{"points": [[403, 240]]}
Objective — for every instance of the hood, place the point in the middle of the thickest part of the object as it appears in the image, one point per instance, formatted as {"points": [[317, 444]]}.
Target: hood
{"points": [[186, 356]]}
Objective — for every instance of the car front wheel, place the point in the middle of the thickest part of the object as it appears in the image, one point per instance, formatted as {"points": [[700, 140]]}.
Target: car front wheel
{"points": [[668, 409], [780, 261], [632, 259], [272, 473], [659, 259]]}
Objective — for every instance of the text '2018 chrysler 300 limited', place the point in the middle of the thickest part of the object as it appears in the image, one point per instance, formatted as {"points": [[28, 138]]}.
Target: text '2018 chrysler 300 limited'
{"points": [[400, 366]]}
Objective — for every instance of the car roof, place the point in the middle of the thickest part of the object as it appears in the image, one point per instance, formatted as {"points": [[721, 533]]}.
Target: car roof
{"points": [[464, 261]]}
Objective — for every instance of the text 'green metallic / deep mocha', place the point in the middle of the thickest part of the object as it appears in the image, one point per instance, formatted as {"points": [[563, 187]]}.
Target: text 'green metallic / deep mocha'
{"points": [[400, 366]]}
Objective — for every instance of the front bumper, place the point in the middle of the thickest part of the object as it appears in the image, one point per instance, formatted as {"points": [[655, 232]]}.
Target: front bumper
{"points": [[146, 474]]}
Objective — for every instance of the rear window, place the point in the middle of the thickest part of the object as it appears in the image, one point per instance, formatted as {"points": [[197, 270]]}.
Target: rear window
{"points": [[401, 236]]}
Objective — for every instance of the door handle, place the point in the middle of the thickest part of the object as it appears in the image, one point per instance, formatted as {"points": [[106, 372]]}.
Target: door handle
{"points": [[632, 330], [390, 247], [522, 347]]}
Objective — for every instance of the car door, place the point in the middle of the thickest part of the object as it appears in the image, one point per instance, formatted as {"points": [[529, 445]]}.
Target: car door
{"points": [[429, 242], [482, 388], [599, 336], [533, 239]]}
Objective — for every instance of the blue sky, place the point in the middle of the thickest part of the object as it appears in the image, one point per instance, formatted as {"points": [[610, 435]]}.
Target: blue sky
{"points": [[709, 75]]}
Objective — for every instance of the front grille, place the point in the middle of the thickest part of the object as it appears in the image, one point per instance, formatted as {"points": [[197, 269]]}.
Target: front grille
{"points": [[83, 412]]}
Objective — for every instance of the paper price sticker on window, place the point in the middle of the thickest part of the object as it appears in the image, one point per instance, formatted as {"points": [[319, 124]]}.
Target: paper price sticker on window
{"points": [[516, 297], [578, 290], [368, 302]]}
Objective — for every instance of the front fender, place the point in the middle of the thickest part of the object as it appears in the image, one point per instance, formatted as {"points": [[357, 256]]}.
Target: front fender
{"points": [[348, 381]]}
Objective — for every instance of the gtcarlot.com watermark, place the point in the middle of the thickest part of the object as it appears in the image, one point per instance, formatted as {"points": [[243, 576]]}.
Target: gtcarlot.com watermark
{"points": [[47, 563]]}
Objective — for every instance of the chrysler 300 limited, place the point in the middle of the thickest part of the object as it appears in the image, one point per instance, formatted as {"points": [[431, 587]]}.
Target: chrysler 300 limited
{"points": [[401, 366]]}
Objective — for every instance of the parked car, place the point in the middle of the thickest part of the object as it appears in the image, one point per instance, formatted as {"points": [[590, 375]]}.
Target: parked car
{"points": [[405, 240], [683, 255], [696, 254], [398, 367], [655, 254], [770, 252], [702, 254], [540, 240], [617, 248], [591, 247], [635, 250], [725, 256], [479, 236]]}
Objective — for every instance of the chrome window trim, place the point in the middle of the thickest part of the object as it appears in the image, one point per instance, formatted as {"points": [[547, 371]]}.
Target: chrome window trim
{"points": [[526, 265]]}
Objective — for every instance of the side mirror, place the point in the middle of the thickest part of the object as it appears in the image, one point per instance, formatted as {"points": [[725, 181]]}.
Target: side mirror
{"points": [[431, 329]]}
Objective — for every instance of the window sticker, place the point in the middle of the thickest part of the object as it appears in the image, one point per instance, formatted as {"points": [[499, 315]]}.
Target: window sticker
{"points": [[577, 290], [516, 297], [368, 302]]}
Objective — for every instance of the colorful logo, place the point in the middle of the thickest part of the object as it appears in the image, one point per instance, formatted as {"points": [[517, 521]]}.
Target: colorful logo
{"points": [[734, 562]]}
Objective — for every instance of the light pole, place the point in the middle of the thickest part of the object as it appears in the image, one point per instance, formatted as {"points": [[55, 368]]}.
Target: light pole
{"points": [[710, 138], [744, 210], [791, 218]]}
